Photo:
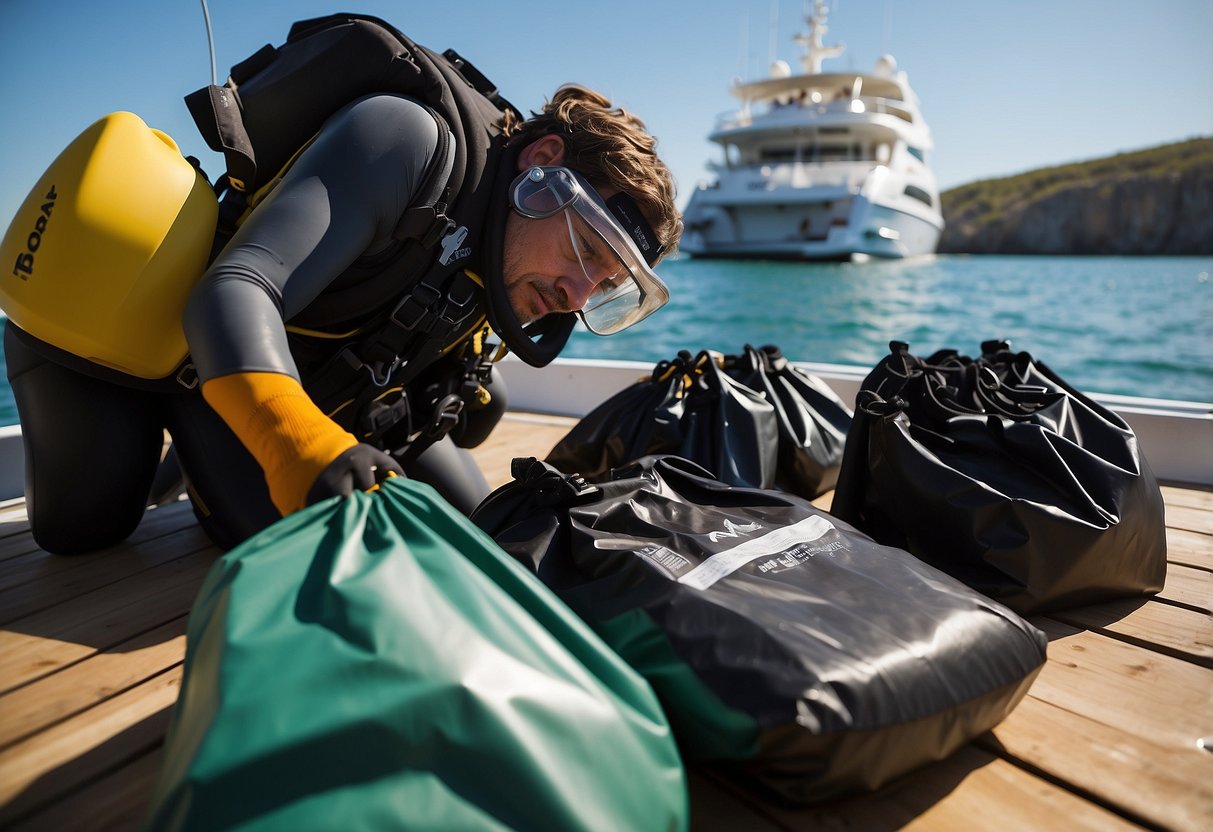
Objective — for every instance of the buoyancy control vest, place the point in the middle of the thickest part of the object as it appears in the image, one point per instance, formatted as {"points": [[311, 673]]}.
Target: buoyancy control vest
{"points": [[413, 301], [377, 326]]}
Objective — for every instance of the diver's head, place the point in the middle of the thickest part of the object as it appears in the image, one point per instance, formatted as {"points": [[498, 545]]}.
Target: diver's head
{"points": [[590, 211], [612, 150]]}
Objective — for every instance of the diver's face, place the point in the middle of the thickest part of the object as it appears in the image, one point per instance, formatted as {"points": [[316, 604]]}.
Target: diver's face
{"points": [[541, 268], [541, 271]]}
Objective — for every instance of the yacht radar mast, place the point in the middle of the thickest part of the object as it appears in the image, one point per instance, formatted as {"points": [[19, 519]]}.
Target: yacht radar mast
{"points": [[814, 51]]}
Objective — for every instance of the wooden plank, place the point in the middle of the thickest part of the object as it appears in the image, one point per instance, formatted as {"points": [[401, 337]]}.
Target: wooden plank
{"points": [[1171, 786], [1149, 695], [56, 762], [13, 520], [19, 542], [1192, 496], [38, 705], [518, 435], [47, 585], [1190, 548], [1090, 698], [41, 644], [1176, 631], [156, 523], [1121, 723], [1190, 519], [117, 802], [971, 791], [717, 809], [1188, 586]]}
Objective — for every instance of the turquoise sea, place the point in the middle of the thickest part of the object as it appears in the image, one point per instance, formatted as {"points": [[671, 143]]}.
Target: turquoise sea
{"points": [[1138, 326]]}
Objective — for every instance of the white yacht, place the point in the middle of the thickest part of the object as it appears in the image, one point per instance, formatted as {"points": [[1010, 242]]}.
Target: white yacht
{"points": [[819, 166]]}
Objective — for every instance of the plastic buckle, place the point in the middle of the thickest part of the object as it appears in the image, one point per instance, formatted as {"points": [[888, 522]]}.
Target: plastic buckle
{"points": [[187, 377], [380, 416], [413, 310], [439, 228], [575, 489], [445, 417]]}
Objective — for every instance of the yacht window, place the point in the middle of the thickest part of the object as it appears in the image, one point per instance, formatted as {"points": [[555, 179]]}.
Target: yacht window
{"points": [[833, 152], [777, 154], [917, 154], [918, 193]]}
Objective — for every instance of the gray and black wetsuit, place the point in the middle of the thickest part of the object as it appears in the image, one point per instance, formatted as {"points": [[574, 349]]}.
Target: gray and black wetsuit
{"points": [[94, 460]]}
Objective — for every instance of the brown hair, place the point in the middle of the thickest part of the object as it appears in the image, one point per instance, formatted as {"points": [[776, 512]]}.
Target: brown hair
{"points": [[611, 148]]}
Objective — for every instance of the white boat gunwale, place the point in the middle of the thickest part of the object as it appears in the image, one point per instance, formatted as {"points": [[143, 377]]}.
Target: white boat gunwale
{"points": [[1176, 436]]}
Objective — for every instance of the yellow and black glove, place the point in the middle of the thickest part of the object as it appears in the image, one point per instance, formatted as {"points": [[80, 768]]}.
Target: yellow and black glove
{"points": [[304, 454]]}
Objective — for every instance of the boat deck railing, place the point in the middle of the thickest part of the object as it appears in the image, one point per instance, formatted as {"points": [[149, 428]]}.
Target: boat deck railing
{"points": [[797, 111]]}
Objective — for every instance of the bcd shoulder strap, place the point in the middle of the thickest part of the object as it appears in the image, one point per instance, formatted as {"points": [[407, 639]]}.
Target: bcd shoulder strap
{"points": [[276, 100], [279, 97]]}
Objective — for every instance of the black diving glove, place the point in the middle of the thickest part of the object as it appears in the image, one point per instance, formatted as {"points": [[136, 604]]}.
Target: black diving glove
{"points": [[362, 467]]}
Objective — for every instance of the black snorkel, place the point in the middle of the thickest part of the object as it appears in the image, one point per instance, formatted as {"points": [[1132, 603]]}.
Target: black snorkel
{"points": [[537, 343]]}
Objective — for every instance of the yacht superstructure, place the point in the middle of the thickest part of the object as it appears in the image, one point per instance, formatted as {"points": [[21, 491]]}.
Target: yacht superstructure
{"points": [[819, 166]]}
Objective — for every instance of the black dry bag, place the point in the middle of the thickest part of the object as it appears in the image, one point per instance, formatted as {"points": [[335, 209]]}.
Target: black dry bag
{"points": [[783, 644], [752, 419], [812, 420], [998, 472], [688, 406]]}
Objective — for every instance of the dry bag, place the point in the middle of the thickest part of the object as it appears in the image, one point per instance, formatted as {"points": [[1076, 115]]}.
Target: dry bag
{"points": [[998, 472], [782, 642], [376, 662]]}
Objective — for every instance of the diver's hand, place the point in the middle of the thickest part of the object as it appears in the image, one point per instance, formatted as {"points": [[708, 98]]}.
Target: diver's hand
{"points": [[362, 467]]}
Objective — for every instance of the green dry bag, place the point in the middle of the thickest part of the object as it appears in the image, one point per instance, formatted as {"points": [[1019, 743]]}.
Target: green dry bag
{"points": [[377, 662]]}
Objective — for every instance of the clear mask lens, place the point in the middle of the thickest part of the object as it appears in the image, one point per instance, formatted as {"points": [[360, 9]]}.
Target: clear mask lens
{"points": [[617, 297], [541, 192], [627, 290]]}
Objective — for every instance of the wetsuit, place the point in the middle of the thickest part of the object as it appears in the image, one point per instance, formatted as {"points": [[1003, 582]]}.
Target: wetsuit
{"points": [[94, 445]]}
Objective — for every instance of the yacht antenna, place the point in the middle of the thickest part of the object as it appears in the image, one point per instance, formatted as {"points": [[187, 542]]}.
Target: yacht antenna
{"points": [[814, 51], [210, 41], [772, 47], [888, 27]]}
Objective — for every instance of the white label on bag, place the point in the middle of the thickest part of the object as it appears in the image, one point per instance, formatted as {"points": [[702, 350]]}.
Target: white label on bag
{"points": [[775, 542], [667, 562]]}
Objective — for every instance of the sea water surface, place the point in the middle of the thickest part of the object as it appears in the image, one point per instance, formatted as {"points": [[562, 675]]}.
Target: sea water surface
{"points": [[1137, 326]]}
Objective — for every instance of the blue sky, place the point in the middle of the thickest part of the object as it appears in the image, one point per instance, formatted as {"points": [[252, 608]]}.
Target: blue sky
{"points": [[1005, 86]]}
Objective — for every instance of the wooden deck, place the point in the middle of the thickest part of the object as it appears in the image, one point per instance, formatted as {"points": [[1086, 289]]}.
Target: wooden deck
{"points": [[1116, 732]]}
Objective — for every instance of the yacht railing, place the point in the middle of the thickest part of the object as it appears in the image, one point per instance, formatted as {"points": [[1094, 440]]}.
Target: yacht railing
{"points": [[796, 111], [849, 175]]}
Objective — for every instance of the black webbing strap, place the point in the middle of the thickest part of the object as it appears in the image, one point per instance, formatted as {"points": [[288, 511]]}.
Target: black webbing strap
{"points": [[217, 114], [412, 336]]}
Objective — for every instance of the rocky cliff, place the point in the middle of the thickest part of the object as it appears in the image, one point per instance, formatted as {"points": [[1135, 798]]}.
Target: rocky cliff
{"points": [[1156, 201]]}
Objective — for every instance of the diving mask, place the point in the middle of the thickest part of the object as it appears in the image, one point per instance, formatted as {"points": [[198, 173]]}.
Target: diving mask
{"points": [[613, 243]]}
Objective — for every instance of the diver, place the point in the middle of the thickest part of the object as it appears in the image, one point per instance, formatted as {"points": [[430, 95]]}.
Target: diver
{"points": [[571, 211]]}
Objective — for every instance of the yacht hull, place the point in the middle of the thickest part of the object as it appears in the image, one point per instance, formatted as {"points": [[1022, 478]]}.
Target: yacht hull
{"points": [[764, 232]]}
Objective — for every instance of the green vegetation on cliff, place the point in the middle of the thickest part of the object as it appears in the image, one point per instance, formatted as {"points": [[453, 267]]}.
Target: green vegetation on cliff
{"points": [[1155, 201]]}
